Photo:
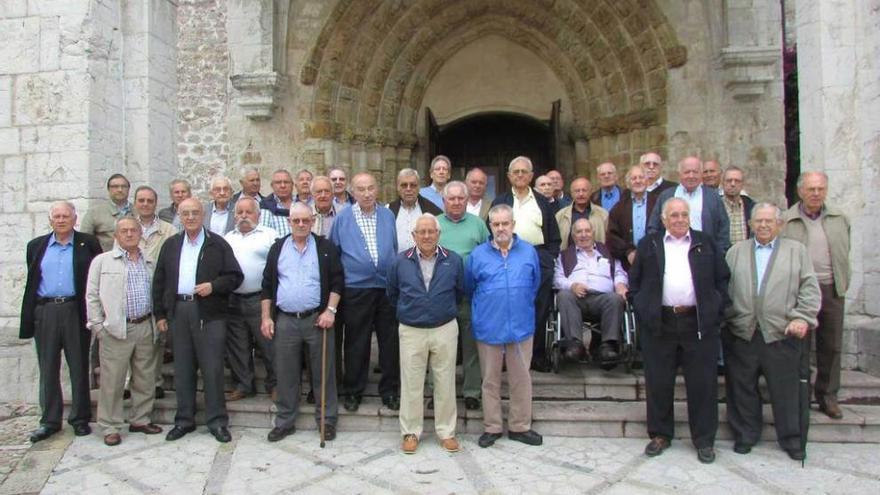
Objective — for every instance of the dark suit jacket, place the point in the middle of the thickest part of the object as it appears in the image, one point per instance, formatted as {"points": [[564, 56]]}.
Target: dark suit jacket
{"points": [[596, 197], [217, 264], [715, 222], [666, 184], [709, 273], [167, 213], [329, 268], [550, 228], [424, 204], [620, 226], [85, 247], [230, 216]]}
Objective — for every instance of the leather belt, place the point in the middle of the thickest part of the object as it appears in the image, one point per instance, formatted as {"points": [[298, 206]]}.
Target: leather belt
{"points": [[55, 300], [680, 310], [301, 314], [139, 319], [186, 297], [248, 295]]}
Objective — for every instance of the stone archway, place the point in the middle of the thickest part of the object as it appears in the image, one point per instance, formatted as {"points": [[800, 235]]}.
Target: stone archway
{"points": [[374, 59]]}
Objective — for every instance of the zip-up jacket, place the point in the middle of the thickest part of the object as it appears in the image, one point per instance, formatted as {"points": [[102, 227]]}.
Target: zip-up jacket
{"points": [[431, 307], [502, 291]]}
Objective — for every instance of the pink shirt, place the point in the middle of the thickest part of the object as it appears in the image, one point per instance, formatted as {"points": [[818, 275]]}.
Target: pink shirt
{"points": [[678, 286]]}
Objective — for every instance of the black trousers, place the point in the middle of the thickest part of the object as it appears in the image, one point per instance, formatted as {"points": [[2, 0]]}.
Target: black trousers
{"points": [[366, 311], [779, 362], [198, 344], [242, 334], [679, 344], [58, 329], [542, 303], [829, 340]]}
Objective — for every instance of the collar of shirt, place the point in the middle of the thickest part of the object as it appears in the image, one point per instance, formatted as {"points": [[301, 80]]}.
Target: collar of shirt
{"points": [[54, 240], [356, 208], [330, 213], [656, 183], [638, 201], [736, 202], [446, 215], [610, 192], [513, 240], [529, 196], [118, 252], [684, 192], [122, 210], [815, 216], [194, 242], [433, 255], [677, 240], [770, 245], [592, 254], [216, 210], [309, 242], [259, 228]]}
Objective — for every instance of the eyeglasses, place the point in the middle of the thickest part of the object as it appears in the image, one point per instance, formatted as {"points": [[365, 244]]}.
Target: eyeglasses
{"points": [[651, 164], [520, 171], [408, 186], [337, 179], [301, 221]]}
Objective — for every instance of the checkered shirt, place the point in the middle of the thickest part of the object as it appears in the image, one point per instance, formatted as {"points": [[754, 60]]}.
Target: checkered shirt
{"points": [[277, 222], [137, 287], [367, 224], [737, 218]]}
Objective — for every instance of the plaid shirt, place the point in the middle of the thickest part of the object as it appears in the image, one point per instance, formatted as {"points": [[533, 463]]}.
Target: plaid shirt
{"points": [[367, 224], [737, 219], [277, 222], [137, 288]]}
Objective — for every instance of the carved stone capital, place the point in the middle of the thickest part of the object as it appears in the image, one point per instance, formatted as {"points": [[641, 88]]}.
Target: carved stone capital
{"points": [[258, 92], [748, 69]]}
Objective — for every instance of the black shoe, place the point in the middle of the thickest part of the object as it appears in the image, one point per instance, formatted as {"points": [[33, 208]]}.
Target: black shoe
{"points": [[82, 430], [721, 370], [656, 446], [796, 454], [42, 433], [530, 437], [429, 404], [573, 350], [541, 365], [329, 432], [352, 403], [310, 397], [391, 402], [178, 432], [742, 448], [278, 433], [221, 434], [160, 393], [126, 394], [607, 352], [706, 455], [488, 439], [471, 403]]}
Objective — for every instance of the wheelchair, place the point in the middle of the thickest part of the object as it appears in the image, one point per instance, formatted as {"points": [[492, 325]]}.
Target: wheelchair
{"points": [[628, 343]]}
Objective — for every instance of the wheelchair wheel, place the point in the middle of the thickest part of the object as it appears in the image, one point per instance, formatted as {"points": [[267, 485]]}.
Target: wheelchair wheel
{"points": [[555, 357]]}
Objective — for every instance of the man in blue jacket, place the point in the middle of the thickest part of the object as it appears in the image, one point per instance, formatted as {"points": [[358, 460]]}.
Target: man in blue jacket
{"points": [[502, 279], [366, 237], [426, 284]]}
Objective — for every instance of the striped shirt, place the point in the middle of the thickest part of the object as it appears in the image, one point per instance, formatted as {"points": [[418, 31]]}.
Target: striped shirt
{"points": [[137, 287], [367, 224]]}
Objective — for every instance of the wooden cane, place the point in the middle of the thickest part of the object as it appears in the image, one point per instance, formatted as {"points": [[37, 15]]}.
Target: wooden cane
{"points": [[323, 380]]}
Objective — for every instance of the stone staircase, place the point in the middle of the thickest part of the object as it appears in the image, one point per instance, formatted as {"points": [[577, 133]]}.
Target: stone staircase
{"points": [[580, 401]]}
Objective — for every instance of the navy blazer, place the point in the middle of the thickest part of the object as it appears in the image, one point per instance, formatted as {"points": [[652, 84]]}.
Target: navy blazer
{"points": [[715, 222], [85, 247], [230, 217]]}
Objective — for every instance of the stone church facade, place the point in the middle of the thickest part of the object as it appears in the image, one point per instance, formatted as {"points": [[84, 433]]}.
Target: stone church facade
{"points": [[158, 89]]}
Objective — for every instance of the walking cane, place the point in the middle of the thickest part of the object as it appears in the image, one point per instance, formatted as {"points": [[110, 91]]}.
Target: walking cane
{"points": [[323, 379]]}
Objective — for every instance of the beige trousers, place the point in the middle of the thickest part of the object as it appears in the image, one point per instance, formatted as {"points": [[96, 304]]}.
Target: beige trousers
{"points": [[137, 352], [518, 357], [419, 347]]}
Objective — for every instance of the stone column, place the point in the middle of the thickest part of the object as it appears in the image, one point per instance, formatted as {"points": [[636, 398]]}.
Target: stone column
{"points": [[839, 89]]}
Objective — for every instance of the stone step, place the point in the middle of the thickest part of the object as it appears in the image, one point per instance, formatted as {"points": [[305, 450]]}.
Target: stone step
{"points": [[572, 418], [585, 382]]}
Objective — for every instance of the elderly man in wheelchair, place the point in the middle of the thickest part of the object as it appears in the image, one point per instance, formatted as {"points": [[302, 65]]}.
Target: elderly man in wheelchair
{"points": [[591, 287]]}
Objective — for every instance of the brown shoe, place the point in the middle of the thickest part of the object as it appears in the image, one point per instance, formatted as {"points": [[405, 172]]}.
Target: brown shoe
{"points": [[235, 395], [112, 439], [829, 406], [147, 429], [450, 444], [410, 444], [656, 446]]}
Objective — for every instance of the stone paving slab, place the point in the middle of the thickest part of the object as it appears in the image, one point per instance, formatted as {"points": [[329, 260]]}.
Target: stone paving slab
{"points": [[370, 462]]}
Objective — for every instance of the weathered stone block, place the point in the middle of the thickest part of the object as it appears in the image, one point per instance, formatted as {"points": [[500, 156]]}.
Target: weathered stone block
{"points": [[44, 139], [54, 176], [20, 49], [50, 43], [9, 141], [57, 7], [50, 98], [12, 277], [13, 8], [5, 101]]}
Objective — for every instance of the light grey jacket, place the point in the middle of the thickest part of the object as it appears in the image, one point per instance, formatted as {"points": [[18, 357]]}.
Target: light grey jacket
{"points": [[837, 230], [789, 290], [105, 293]]}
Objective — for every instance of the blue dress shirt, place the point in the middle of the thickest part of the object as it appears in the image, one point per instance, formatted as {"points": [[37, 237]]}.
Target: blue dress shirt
{"points": [[639, 218], [57, 269], [299, 277], [609, 198], [762, 259]]}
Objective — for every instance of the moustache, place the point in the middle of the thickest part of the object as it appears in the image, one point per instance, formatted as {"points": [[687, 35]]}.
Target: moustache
{"points": [[247, 222]]}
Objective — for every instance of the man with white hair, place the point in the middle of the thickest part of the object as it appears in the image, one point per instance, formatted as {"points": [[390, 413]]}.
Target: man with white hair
{"points": [[654, 173], [341, 197], [249, 178], [219, 213], [324, 208], [53, 312], [609, 193], [477, 181], [408, 207]]}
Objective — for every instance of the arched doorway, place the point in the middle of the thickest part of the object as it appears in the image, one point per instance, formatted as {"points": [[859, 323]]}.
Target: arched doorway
{"points": [[491, 140]]}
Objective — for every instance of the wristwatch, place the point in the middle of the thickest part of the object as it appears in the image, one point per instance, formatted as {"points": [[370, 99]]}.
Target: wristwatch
{"points": [[331, 309]]}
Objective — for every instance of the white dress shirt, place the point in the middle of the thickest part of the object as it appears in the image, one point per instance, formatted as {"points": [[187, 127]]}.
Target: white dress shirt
{"points": [[219, 219], [474, 209], [678, 285], [695, 202], [593, 270], [406, 221], [189, 263], [250, 250]]}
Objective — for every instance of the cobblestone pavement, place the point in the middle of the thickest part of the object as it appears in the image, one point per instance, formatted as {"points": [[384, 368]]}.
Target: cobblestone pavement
{"points": [[372, 463]]}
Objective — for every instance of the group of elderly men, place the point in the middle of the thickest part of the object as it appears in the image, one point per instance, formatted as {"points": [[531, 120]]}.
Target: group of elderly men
{"points": [[310, 271]]}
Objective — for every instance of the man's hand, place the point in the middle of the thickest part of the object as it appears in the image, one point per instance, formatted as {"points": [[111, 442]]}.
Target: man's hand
{"points": [[631, 257], [204, 289], [797, 328], [325, 320], [579, 289], [621, 290], [162, 325], [267, 328]]}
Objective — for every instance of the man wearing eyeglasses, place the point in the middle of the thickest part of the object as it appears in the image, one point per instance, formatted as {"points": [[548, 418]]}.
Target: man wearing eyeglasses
{"points": [[654, 173], [275, 209], [408, 207], [100, 220], [341, 197]]}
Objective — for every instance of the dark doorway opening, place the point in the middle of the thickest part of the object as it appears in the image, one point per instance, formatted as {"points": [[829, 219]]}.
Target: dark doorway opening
{"points": [[490, 141]]}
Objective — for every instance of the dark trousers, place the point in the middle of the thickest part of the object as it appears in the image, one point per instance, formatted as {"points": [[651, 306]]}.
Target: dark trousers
{"points": [[778, 362], [607, 307], [198, 344], [679, 344], [243, 332], [542, 303], [58, 328], [829, 340], [291, 335], [366, 311]]}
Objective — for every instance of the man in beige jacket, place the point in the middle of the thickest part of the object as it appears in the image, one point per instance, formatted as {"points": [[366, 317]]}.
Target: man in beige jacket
{"points": [[119, 308], [775, 298], [581, 208]]}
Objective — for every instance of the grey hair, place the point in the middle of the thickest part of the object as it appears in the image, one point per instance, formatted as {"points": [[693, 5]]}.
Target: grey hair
{"points": [[305, 171], [613, 166], [321, 178], [454, 184], [62, 204], [680, 162], [767, 204], [245, 197], [125, 218], [630, 170], [474, 170], [244, 171], [299, 205], [733, 168], [500, 208], [184, 182], [337, 168], [426, 215], [407, 172], [644, 157], [221, 178], [521, 158], [670, 201], [439, 158], [804, 175]]}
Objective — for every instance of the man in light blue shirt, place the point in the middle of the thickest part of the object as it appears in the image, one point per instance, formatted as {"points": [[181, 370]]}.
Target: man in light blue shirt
{"points": [[441, 168]]}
